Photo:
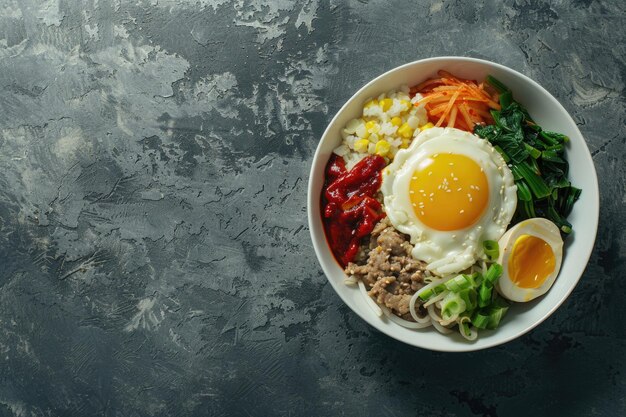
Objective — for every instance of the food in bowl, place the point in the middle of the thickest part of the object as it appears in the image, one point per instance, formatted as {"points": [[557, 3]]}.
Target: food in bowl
{"points": [[418, 198]]}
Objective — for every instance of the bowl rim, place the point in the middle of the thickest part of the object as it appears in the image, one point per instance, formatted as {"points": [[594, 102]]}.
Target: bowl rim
{"points": [[318, 240]]}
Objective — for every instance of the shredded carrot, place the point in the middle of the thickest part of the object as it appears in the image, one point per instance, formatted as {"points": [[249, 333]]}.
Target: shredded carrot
{"points": [[452, 118], [448, 108], [456, 102], [465, 114]]}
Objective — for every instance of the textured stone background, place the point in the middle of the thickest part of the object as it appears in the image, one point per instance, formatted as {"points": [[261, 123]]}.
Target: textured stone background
{"points": [[154, 252]]}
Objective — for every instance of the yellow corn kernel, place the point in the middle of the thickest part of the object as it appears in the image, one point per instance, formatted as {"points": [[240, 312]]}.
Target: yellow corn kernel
{"points": [[361, 145], [371, 103], [382, 147], [407, 103], [386, 103], [396, 121], [372, 127], [405, 143], [405, 131], [427, 126]]}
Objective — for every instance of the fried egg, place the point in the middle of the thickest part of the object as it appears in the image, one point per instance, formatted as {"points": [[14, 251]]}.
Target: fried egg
{"points": [[530, 254], [449, 191]]}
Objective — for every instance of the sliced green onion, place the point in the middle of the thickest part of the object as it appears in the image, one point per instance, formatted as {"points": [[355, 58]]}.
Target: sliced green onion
{"points": [[432, 291], [452, 305], [496, 313], [480, 320], [490, 317], [491, 248], [470, 298], [462, 282], [493, 273], [484, 294], [465, 328]]}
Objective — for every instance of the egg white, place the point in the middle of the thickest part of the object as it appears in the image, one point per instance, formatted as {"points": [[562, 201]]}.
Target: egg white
{"points": [[449, 252]]}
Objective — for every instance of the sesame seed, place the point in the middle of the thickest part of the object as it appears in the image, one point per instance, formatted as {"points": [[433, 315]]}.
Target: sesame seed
{"points": [[422, 191], [459, 189], [455, 179], [430, 173], [432, 194], [448, 190], [451, 163], [422, 213], [414, 205], [413, 178], [453, 236], [462, 211]]}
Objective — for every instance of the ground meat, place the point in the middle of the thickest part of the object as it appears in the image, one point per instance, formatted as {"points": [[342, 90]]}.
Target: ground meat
{"points": [[389, 272]]}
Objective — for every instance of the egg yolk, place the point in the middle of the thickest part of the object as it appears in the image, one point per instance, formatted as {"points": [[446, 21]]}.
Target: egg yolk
{"points": [[531, 261], [449, 192]]}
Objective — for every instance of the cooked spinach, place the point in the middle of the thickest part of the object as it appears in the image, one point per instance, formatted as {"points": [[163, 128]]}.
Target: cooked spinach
{"points": [[536, 158]]}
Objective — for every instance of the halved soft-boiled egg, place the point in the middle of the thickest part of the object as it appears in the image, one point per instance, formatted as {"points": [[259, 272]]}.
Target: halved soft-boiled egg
{"points": [[450, 191], [530, 254]]}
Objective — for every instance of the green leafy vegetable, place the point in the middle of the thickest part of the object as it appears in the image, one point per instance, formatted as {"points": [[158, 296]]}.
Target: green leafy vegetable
{"points": [[536, 158]]}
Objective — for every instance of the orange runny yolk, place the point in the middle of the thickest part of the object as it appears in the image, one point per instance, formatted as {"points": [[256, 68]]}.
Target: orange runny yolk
{"points": [[531, 261], [448, 192]]}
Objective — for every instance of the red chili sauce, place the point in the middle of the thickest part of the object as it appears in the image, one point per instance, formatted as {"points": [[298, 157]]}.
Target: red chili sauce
{"points": [[349, 209]]}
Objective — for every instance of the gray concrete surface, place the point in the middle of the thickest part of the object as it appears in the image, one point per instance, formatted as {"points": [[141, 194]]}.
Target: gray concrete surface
{"points": [[154, 253]]}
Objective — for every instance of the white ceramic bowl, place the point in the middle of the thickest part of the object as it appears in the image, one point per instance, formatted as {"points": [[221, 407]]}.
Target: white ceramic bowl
{"points": [[547, 111]]}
